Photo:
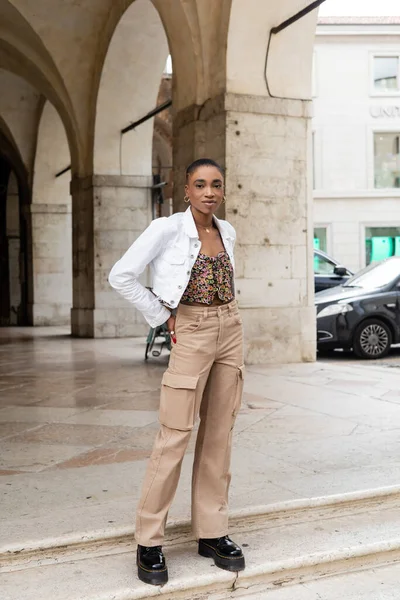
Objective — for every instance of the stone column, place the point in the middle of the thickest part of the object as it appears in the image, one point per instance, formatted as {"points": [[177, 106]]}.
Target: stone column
{"points": [[51, 260], [14, 249], [263, 144], [109, 213]]}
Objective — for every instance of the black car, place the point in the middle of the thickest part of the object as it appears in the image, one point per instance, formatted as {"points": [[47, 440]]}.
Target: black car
{"points": [[328, 272], [364, 313]]}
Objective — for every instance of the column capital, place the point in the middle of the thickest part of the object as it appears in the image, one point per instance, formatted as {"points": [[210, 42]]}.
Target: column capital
{"points": [[244, 103]]}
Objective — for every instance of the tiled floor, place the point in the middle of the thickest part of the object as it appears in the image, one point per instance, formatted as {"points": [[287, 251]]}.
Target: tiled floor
{"points": [[78, 419], [68, 403]]}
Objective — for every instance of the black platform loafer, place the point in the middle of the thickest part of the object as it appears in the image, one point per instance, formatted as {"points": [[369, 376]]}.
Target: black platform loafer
{"points": [[226, 554], [151, 565]]}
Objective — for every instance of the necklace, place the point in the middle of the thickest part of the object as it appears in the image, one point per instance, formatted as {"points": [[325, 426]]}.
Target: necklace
{"points": [[207, 229]]}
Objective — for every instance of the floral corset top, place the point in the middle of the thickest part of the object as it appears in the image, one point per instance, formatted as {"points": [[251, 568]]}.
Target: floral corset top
{"points": [[211, 276]]}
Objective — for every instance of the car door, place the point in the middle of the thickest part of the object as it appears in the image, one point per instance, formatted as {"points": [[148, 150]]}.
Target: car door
{"points": [[324, 273], [384, 304], [396, 309]]}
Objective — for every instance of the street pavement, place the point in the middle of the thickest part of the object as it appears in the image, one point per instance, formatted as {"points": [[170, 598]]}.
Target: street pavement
{"points": [[78, 419]]}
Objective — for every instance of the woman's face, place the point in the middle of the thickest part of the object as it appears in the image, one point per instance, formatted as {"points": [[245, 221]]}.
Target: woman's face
{"points": [[205, 188]]}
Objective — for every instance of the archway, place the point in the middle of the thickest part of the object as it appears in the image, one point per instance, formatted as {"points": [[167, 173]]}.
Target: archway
{"points": [[25, 59], [23, 53], [51, 223], [15, 240], [123, 156]]}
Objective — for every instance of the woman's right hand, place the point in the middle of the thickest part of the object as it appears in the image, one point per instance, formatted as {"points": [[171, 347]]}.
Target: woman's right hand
{"points": [[171, 328]]}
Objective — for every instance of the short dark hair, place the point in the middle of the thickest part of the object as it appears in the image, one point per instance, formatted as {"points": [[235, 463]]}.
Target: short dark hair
{"points": [[203, 162]]}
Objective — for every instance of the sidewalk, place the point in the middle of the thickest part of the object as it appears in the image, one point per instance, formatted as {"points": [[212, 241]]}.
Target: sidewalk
{"points": [[78, 418]]}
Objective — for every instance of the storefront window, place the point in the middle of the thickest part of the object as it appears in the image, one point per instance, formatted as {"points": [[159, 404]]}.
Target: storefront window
{"points": [[386, 73], [381, 243], [320, 239], [387, 159]]}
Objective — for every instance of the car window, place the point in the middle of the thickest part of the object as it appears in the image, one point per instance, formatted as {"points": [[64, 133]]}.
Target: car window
{"points": [[376, 275], [323, 266]]}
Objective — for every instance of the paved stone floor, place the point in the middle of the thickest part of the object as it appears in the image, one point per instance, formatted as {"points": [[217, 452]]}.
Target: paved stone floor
{"points": [[78, 419]]}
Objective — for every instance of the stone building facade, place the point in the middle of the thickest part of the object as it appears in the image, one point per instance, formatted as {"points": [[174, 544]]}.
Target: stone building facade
{"points": [[75, 74], [356, 138]]}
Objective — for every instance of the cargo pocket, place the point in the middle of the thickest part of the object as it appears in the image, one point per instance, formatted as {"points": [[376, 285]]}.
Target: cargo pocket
{"points": [[239, 390], [177, 402]]}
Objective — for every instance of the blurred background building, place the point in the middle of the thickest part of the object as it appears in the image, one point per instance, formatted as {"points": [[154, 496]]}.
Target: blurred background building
{"points": [[356, 138]]}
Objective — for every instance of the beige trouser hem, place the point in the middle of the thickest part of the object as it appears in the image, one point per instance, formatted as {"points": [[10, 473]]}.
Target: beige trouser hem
{"points": [[204, 378]]}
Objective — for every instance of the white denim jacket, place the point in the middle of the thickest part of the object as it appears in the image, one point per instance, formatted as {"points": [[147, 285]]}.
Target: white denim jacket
{"points": [[170, 245]]}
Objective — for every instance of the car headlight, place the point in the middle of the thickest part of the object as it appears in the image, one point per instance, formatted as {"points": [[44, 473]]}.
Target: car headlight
{"points": [[334, 309]]}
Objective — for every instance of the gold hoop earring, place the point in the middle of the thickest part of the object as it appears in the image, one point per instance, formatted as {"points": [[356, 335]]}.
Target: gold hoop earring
{"points": [[224, 199], [186, 199]]}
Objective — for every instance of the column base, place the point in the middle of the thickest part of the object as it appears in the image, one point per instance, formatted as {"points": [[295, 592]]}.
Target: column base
{"points": [[50, 314], [107, 323], [82, 323], [279, 335]]}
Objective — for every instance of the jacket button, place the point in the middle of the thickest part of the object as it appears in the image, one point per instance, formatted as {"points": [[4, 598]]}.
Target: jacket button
{"points": [[179, 287], [188, 272], [192, 256], [196, 245], [172, 302]]}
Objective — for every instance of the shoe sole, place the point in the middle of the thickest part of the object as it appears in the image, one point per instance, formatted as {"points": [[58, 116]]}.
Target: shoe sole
{"points": [[152, 577], [236, 563]]}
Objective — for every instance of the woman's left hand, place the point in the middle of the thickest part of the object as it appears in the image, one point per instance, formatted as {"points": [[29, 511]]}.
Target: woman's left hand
{"points": [[171, 328]]}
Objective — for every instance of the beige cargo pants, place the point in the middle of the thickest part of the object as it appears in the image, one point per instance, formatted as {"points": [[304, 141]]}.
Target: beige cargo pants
{"points": [[204, 377]]}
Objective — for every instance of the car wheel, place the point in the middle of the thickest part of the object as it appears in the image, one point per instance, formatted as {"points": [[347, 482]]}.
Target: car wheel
{"points": [[372, 339]]}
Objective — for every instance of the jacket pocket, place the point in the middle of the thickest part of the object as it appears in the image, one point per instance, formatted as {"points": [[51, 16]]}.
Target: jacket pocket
{"points": [[177, 402], [239, 390]]}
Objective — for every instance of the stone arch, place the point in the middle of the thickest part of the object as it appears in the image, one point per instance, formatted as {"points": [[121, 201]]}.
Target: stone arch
{"points": [[127, 94], [23, 53], [199, 26], [51, 223], [119, 191]]}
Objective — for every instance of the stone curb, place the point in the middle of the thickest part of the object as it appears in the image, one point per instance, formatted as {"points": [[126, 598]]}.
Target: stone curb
{"points": [[271, 575], [323, 564], [100, 542]]}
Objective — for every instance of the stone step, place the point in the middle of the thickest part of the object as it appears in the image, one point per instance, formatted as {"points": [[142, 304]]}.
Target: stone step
{"points": [[89, 542], [299, 543]]}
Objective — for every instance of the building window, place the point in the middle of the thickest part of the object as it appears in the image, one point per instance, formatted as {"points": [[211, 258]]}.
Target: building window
{"points": [[320, 235], [381, 243], [386, 73], [387, 160]]}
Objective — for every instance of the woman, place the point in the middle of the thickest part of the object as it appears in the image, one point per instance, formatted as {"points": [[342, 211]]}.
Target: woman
{"points": [[191, 255]]}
